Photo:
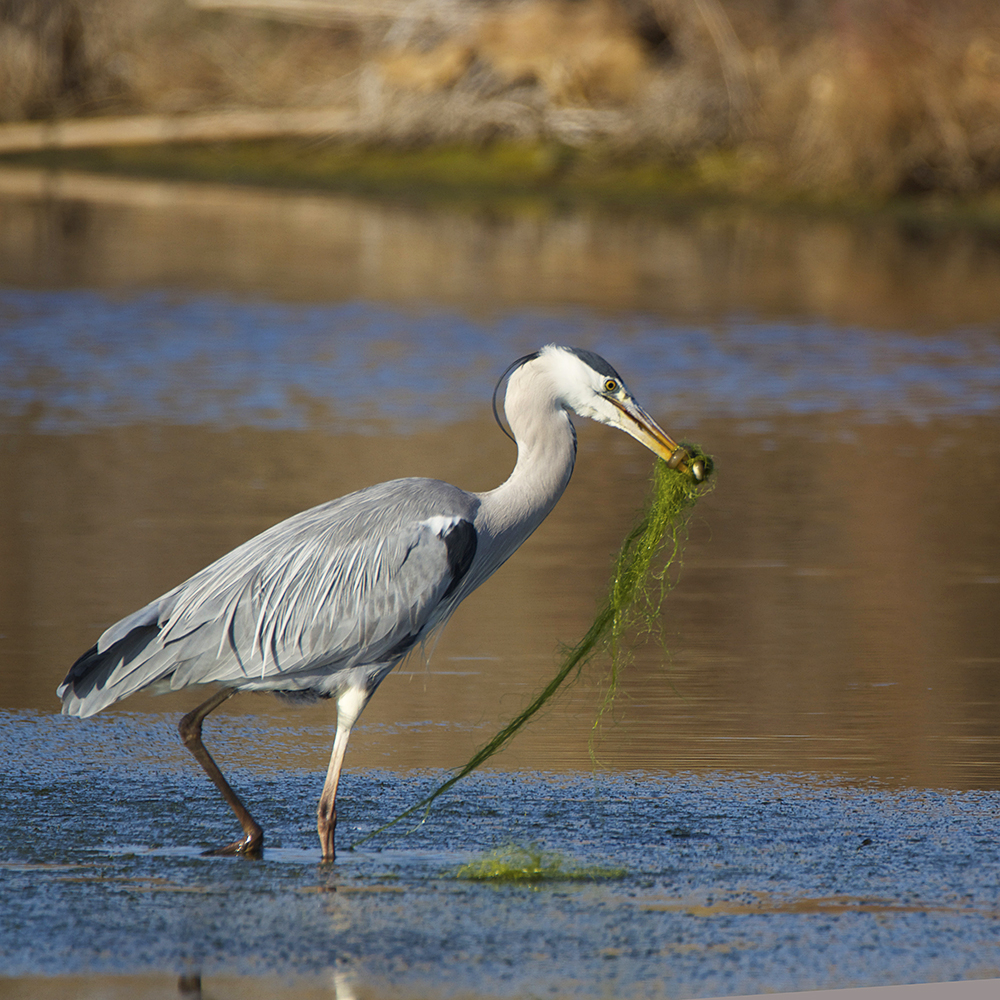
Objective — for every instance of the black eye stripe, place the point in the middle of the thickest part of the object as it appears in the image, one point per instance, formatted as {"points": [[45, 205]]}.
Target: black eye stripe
{"points": [[596, 362]]}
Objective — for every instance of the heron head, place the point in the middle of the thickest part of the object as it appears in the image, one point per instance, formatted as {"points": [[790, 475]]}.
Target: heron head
{"points": [[586, 384]]}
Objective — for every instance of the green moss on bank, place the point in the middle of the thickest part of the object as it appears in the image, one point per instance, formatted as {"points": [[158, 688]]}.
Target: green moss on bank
{"points": [[500, 172], [504, 175]]}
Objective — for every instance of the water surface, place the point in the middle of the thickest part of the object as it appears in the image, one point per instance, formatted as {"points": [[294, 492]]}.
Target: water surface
{"points": [[182, 366]]}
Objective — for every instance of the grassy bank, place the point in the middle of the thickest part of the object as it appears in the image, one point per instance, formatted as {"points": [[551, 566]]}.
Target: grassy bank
{"points": [[506, 176]]}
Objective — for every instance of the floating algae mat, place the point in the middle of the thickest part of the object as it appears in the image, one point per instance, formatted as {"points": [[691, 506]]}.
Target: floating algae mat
{"points": [[639, 585], [514, 863]]}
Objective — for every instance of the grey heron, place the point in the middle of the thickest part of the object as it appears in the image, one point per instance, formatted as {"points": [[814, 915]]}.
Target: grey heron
{"points": [[326, 603]]}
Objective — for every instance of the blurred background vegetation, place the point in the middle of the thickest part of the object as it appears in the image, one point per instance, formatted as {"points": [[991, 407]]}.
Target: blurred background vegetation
{"points": [[829, 97]]}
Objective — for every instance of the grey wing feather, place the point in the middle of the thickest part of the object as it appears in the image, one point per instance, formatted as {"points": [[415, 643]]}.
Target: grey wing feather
{"points": [[351, 583]]}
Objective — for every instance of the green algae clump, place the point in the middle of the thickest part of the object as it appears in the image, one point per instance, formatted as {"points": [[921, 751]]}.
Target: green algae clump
{"points": [[638, 588], [515, 863]]}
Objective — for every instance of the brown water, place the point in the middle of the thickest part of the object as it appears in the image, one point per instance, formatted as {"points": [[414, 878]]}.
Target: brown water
{"points": [[186, 365]]}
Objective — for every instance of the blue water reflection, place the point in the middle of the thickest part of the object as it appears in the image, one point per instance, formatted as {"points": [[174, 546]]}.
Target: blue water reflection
{"points": [[74, 359]]}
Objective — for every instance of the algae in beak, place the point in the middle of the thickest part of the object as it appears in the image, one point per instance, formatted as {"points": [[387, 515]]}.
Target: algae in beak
{"points": [[634, 599]]}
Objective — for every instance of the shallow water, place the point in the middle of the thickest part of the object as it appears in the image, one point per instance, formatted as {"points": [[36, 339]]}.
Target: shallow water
{"points": [[802, 788], [734, 883]]}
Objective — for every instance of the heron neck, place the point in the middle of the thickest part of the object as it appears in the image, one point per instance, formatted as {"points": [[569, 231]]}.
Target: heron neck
{"points": [[546, 452]]}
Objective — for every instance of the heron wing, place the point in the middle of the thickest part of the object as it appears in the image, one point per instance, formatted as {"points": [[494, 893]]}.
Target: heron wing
{"points": [[351, 583]]}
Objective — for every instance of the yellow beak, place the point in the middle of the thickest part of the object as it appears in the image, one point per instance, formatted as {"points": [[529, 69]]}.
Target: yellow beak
{"points": [[637, 422]]}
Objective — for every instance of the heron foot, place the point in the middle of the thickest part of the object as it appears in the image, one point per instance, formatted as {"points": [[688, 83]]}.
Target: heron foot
{"points": [[326, 826], [251, 846], [329, 852]]}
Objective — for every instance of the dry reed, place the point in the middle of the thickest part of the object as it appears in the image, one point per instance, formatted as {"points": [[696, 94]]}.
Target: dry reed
{"points": [[831, 96]]}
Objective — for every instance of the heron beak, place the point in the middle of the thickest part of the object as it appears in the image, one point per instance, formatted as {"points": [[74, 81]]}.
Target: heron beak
{"points": [[637, 422]]}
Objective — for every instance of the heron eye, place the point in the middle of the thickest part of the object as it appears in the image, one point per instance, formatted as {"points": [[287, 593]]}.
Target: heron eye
{"points": [[610, 385]]}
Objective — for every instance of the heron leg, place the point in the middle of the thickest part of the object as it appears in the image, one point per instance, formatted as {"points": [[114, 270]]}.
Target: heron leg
{"points": [[350, 704], [190, 729]]}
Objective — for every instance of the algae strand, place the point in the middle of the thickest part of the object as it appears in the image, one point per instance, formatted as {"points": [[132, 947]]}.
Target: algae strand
{"points": [[634, 599], [637, 588]]}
